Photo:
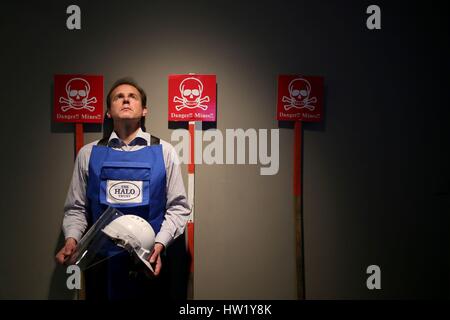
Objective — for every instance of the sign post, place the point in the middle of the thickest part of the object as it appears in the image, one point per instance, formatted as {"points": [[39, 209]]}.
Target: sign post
{"points": [[78, 99], [192, 98], [79, 137], [300, 98]]}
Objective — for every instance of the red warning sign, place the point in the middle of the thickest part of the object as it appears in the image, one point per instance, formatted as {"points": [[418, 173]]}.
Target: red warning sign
{"points": [[300, 98], [192, 97], [78, 98]]}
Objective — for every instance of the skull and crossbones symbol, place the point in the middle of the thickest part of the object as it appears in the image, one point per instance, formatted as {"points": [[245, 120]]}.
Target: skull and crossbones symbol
{"points": [[299, 92], [191, 90], [77, 90]]}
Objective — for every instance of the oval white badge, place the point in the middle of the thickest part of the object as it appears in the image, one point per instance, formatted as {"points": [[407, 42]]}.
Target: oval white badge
{"points": [[124, 191]]}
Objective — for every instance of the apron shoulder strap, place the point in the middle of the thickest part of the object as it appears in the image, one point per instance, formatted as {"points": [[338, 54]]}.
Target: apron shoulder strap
{"points": [[103, 142], [154, 140]]}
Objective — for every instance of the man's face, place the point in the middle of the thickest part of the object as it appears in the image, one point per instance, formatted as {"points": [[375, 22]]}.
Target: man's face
{"points": [[126, 103]]}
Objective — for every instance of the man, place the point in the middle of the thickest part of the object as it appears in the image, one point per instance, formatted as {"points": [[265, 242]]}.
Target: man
{"points": [[126, 154]]}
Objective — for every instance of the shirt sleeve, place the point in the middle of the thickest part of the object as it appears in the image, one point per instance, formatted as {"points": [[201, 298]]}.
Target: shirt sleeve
{"points": [[75, 212], [177, 207]]}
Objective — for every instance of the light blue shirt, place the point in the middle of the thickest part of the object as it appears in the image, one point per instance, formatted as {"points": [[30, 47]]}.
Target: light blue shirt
{"points": [[177, 207]]}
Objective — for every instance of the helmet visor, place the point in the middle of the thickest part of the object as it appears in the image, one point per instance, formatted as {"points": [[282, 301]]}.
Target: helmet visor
{"points": [[95, 246]]}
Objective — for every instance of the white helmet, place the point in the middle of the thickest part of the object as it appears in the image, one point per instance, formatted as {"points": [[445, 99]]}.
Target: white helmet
{"points": [[134, 234]]}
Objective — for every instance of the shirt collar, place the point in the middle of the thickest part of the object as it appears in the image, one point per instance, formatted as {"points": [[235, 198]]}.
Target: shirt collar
{"points": [[141, 139]]}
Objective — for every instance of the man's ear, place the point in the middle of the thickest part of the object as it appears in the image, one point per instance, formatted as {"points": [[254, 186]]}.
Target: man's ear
{"points": [[107, 114], [144, 111]]}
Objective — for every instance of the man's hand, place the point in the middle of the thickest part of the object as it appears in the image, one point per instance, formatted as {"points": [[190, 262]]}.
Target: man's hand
{"points": [[155, 258], [66, 251]]}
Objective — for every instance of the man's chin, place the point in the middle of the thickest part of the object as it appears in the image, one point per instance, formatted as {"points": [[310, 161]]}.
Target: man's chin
{"points": [[127, 118]]}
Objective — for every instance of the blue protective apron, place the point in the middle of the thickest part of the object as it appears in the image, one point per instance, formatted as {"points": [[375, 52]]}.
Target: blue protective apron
{"points": [[135, 183]]}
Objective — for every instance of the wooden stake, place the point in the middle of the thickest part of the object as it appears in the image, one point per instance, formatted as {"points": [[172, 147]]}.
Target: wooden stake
{"points": [[298, 217]]}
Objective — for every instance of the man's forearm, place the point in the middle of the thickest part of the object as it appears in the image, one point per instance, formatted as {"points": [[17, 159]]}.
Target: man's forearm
{"points": [[74, 224]]}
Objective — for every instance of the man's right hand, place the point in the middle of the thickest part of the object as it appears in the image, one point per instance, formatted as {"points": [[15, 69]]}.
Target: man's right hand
{"points": [[66, 251]]}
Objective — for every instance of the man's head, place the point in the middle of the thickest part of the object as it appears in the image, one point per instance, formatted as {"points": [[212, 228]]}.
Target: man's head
{"points": [[125, 100], [130, 82]]}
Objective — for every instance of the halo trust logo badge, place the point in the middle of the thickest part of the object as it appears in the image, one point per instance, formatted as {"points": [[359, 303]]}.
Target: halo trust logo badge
{"points": [[118, 191]]}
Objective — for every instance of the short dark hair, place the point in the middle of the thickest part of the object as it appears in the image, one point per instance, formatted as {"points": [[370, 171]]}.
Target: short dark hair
{"points": [[129, 81], [108, 124]]}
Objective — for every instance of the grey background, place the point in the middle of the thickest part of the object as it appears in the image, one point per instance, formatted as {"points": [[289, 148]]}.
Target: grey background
{"points": [[376, 173]]}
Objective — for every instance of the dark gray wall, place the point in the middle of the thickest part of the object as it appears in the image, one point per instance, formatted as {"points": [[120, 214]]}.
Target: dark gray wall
{"points": [[376, 173]]}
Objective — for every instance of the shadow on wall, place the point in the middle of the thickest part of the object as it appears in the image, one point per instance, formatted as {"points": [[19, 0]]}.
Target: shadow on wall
{"points": [[178, 263]]}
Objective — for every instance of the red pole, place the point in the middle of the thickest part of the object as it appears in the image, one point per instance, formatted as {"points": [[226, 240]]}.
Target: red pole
{"points": [[298, 158], [79, 140], [191, 172], [191, 200], [191, 165], [297, 188]]}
